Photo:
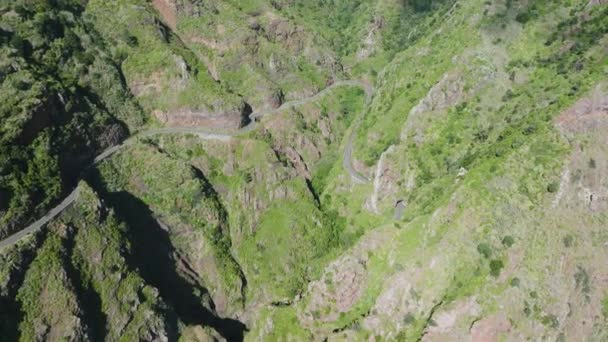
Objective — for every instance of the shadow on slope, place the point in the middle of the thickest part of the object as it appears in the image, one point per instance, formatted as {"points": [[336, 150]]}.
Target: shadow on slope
{"points": [[10, 309], [88, 298], [153, 254]]}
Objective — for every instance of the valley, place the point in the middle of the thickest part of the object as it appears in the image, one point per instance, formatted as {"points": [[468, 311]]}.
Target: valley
{"points": [[294, 170]]}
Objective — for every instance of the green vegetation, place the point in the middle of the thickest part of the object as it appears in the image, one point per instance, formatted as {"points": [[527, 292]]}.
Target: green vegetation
{"points": [[153, 59], [487, 208], [508, 241], [45, 295], [485, 250], [128, 309], [178, 195], [62, 102], [496, 266]]}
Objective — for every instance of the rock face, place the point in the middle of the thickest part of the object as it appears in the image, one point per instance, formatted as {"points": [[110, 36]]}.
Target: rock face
{"points": [[233, 119], [343, 282], [168, 11], [446, 93], [385, 182], [371, 41]]}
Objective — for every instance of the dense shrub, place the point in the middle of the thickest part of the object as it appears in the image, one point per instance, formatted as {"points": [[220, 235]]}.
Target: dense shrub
{"points": [[496, 267], [485, 250], [61, 102]]}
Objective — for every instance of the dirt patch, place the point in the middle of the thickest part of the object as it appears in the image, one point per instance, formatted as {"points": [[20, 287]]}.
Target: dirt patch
{"points": [[147, 86], [200, 118], [489, 329], [168, 12], [447, 321], [588, 114], [584, 181], [209, 43]]}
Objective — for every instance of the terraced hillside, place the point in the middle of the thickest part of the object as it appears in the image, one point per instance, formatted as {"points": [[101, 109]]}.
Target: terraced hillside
{"points": [[304, 170]]}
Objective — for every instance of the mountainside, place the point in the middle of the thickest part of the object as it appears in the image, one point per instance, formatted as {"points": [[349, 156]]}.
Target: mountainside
{"points": [[303, 170]]}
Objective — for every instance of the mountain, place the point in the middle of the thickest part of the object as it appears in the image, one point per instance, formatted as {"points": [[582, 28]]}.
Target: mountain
{"points": [[201, 170]]}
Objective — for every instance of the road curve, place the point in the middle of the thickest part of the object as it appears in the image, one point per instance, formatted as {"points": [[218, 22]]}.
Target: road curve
{"points": [[206, 134]]}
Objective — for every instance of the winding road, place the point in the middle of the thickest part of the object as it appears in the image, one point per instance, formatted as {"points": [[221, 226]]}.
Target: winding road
{"points": [[209, 134]]}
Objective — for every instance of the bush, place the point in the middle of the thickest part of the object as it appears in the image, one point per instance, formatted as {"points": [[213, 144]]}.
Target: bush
{"points": [[568, 240], [485, 250], [553, 187], [496, 267], [508, 241], [592, 163], [515, 282], [550, 320]]}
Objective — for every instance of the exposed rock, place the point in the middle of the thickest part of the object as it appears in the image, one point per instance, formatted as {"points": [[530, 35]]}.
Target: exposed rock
{"points": [[446, 93], [583, 180], [587, 114], [343, 281], [296, 159], [489, 329], [396, 301], [192, 8], [281, 30], [342, 284], [171, 9], [276, 99], [593, 3], [370, 43], [184, 69], [446, 321], [385, 180], [112, 136], [229, 119], [168, 11]]}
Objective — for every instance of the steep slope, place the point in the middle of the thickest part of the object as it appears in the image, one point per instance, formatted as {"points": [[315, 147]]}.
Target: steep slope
{"points": [[470, 220], [456, 191], [166, 76], [91, 279], [253, 49], [63, 100], [79, 284]]}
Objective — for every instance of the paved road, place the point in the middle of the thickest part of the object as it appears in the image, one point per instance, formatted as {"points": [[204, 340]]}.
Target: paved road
{"points": [[206, 134], [347, 158], [41, 222]]}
